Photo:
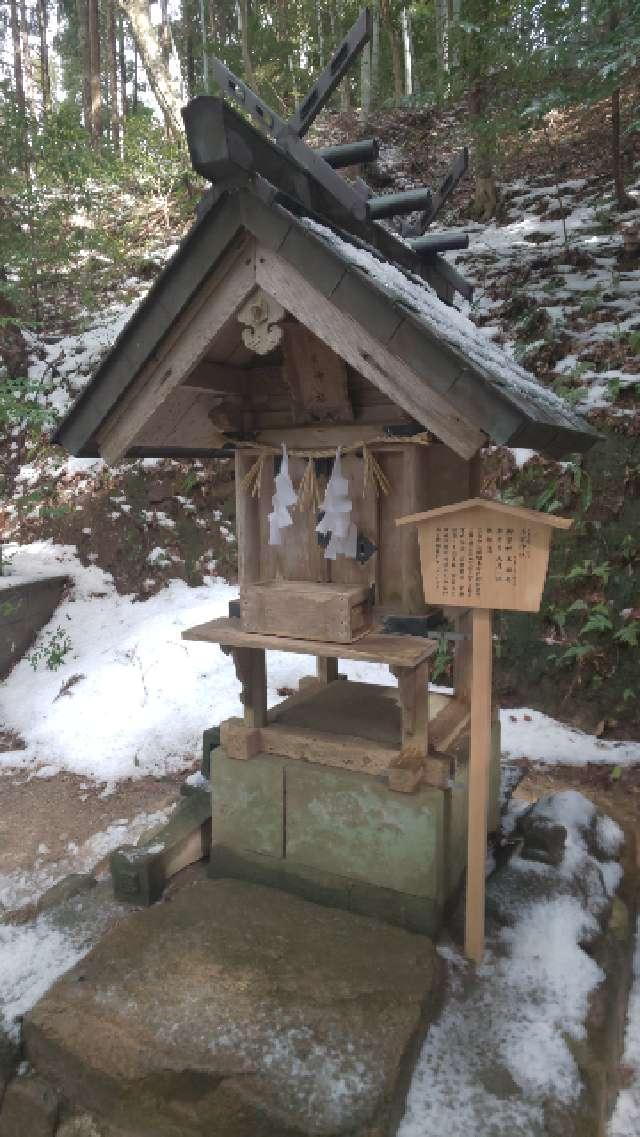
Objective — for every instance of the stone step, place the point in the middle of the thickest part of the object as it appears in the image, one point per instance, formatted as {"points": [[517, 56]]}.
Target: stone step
{"points": [[242, 1011]]}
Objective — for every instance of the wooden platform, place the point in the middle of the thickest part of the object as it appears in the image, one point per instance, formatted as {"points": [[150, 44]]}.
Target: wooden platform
{"points": [[375, 647], [330, 722], [366, 710]]}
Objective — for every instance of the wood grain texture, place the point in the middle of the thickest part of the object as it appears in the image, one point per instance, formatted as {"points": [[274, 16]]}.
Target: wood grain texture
{"points": [[479, 759], [363, 352], [306, 609], [182, 348], [400, 651], [316, 376]]}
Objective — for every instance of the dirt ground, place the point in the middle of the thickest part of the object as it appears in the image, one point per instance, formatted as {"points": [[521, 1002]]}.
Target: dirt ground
{"points": [[50, 827]]}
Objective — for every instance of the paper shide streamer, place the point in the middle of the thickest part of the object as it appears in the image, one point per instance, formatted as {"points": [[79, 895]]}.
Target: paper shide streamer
{"points": [[283, 499], [336, 521]]}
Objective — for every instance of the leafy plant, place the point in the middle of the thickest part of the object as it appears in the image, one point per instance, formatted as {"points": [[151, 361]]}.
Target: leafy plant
{"points": [[598, 620], [442, 660], [629, 634], [52, 651]]}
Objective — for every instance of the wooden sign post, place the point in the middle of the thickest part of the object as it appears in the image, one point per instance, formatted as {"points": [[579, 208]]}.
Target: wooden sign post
{"points": [[482, 555]]}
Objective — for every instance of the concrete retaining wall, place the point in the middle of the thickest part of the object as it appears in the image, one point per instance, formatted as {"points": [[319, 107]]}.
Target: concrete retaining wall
{"points": [[25, 606]]}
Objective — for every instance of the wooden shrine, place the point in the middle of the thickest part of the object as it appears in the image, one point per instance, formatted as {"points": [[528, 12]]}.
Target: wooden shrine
{"points": [[295, 331]]}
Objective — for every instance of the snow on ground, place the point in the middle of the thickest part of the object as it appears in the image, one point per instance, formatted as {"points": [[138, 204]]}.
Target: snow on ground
{"points": [[138, 696], [501, 1049], [531, 734], [132, 698], [32, 957], [626, 1116]]}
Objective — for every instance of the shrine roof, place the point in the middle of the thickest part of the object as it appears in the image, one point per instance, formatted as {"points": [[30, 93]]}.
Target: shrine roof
{"points": [[454, 365]]}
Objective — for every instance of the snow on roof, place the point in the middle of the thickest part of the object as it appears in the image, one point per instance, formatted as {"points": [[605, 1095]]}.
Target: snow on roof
{"points": [[447, 324]]}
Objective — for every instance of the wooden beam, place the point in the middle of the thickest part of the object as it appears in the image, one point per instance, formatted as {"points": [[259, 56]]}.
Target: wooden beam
{"points": [[317, 378], [479, 759], [349, 340], [396, 651], [319, 437], [180, 351]]}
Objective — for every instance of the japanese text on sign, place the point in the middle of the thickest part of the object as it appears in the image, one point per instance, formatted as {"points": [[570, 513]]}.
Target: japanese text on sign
{"points": [[469, 558]]}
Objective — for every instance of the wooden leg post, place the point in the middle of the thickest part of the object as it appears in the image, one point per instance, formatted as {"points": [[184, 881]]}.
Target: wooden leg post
{"points": [[327, 669], [414, 718], [251, 671], [479, 757]]}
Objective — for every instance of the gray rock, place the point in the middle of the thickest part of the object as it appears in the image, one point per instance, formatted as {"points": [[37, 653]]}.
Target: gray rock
{"points": [[73, 885], [80, 1125], [239, 1010], [29, 1109], [544, 840]]}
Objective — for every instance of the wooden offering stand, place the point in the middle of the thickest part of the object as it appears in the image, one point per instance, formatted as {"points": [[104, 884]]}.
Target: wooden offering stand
{"points": [[482, 555], [332, 722]]}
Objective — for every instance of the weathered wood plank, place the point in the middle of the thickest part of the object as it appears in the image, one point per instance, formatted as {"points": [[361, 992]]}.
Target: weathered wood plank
{"points": [[316, 376], [400, 651], [362, 351], [180, 351]]}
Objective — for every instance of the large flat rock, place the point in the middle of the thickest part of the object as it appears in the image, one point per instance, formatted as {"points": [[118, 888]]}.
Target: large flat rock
{"points": [[239, 1011]]}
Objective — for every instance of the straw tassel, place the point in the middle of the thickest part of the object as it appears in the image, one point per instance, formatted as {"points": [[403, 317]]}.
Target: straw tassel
{"points": [[253, 478], [309, 491], [374, 477]]}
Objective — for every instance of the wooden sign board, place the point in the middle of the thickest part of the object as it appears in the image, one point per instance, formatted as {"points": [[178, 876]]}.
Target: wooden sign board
{"points": [[481, 555], [484, 554]]}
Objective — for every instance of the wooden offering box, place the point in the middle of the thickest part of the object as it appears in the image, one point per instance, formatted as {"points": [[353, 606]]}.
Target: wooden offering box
{"points": [[484, 554], [306, 610]]}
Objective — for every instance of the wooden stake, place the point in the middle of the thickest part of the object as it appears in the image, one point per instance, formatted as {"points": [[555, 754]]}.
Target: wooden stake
{"points": [[479, 756]]}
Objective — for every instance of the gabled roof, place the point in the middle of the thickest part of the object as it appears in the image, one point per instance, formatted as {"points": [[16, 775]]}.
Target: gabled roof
{"points": [[519, 512], [430, 359]]}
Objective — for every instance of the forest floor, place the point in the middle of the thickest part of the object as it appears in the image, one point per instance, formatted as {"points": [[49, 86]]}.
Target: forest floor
{"points": [[151, 545]]}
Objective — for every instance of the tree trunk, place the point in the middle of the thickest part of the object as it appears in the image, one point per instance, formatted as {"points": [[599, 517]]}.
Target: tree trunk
{"points": [[147, 46], [365, 86], [453, 23], [13, 349], [113, 75], [94, 55], [486, 191], [27, 70], [82, 11], [407, 49], [122, 67], [243, 31], [442, 37], [45, 76], [18, 76], [375, 54], [624, 200], [205, 46], [387, 17]]}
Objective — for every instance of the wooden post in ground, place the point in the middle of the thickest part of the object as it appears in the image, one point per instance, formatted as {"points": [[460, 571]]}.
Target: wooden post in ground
{"points": [[479, 758]]}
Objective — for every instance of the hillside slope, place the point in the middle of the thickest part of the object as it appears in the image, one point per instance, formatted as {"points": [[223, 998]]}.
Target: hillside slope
{"points": [[557, 279]]}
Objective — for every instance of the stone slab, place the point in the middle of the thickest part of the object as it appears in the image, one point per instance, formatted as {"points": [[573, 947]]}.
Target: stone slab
{"points": [[29, 1109], [241, 1011], [248, 803], [344, 823]]}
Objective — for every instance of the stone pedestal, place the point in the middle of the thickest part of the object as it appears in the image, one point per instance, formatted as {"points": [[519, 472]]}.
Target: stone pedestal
{"points": [[240, 1011]]}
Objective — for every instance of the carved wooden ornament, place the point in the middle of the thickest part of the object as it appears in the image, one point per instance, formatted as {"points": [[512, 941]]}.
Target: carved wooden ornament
{"points": [[262, 315]]}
